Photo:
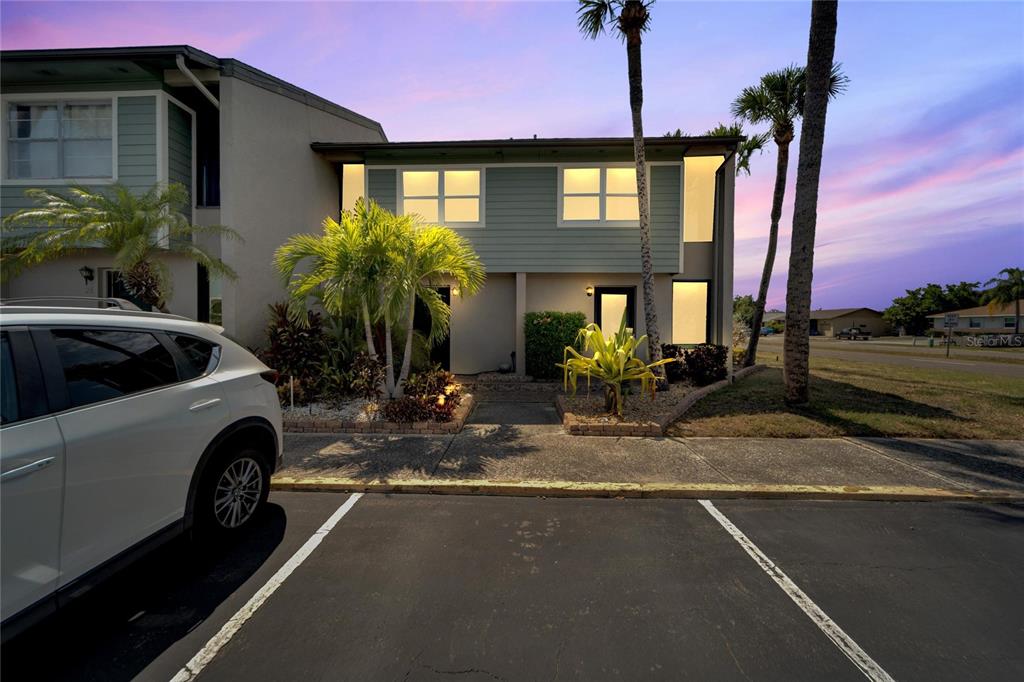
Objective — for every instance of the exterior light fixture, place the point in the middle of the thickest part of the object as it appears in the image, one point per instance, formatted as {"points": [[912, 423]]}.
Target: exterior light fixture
{"points": [[456, 292], [590, 291], [87, 273]]}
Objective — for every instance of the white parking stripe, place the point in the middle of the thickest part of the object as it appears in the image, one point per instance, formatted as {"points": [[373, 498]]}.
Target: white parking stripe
{"points": [[858, 656], [217, 642]]}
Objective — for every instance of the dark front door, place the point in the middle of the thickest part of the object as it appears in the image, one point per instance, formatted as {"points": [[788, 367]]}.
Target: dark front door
{"points": [[609, 305], [114, 288], [441, 352]]}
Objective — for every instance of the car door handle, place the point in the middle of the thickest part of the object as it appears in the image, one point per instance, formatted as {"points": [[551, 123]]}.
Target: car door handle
{"points": [[26, 469], [203, 404]]}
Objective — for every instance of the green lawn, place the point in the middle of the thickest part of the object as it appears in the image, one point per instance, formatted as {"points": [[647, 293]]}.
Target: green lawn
{"points": [[863, 399]]}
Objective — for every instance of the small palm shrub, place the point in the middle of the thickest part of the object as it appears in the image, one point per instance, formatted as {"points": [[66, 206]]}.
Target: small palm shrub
{"points": [[547, 334], [614, 363]]}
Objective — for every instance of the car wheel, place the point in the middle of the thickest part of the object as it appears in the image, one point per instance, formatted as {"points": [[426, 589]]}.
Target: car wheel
{"points": [[233, 490]]}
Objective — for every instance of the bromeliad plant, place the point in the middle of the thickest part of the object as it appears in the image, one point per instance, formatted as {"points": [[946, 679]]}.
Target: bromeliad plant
{"points": [[613, 362]]}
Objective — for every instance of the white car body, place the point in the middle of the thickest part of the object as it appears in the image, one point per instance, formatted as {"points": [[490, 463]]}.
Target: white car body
{"points": [[86, 485]]}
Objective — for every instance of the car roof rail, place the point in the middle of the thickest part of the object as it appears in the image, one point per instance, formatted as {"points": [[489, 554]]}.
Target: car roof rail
{"points": [[101, 302], [52, 304]]}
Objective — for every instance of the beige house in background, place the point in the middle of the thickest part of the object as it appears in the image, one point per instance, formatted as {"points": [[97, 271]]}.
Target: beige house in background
{"points": [[997, 319], [832, 321], [555, 221]]}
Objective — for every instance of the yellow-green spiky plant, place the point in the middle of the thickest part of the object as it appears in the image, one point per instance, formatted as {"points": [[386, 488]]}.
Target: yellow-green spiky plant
{"points": [[613, 362]]}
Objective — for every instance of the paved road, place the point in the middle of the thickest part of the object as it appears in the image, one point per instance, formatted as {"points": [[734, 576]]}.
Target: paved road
{"points": [[430, 588], [890, 356]]}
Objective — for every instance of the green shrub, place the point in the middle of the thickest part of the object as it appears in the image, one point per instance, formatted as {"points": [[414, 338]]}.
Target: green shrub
{"points": [[432, 395], [366, 376], [705, 364], [547, 334], [674, 371]]}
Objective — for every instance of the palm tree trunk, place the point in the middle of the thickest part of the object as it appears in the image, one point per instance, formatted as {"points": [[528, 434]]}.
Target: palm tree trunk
{"points": [[1016, 320], [636, 102], [781, 169], [820, 52], [368, 329], [389, 359], [407, 356]]}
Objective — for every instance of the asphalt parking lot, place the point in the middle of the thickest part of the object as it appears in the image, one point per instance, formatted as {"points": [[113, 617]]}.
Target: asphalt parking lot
{"points": [[412, 587]]}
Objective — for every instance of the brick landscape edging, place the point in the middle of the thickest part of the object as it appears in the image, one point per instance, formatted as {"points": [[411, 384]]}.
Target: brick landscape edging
{"points": [[575, 426], [315, 425]]}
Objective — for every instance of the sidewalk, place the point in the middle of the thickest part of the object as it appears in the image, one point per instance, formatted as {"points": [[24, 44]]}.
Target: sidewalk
{"points": [[539, 459]]}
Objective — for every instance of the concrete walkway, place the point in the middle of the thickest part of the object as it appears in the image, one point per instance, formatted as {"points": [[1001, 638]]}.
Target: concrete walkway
{"points": [[538, 451]]}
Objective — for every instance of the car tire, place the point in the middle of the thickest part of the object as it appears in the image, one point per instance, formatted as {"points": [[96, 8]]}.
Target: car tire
{"points": [[233, 489]]}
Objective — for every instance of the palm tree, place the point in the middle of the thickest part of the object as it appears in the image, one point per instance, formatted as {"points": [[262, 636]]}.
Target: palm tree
{"points": [[631, 18], [434, 254], [136, 229], [746, 149], [381, 264], [1006, 290], [820, 52], [778, 99]]}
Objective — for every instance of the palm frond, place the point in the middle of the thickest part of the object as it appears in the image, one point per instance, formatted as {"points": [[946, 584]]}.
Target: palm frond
{"points": [[592, 16]]}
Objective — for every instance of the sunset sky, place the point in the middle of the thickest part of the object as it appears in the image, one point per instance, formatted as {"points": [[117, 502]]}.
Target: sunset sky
{"points": [[923, 176]]}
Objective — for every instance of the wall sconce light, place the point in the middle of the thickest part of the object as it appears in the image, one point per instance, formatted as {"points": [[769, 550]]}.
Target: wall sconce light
{"points": [[87, 273], [590, 291], [456, 292]]}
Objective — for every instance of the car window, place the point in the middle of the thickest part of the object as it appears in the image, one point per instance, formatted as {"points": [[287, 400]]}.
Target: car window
{"points": [[199, 353], [100, 364], [8, 386]]}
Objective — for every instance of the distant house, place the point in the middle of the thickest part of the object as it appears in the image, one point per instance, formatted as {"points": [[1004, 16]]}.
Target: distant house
{"points": [[831, 322], [981, 320]]}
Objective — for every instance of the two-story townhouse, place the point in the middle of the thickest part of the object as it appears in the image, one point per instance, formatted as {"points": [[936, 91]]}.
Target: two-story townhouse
{"points": [[237, 137], [554, 220], [556, 224]]}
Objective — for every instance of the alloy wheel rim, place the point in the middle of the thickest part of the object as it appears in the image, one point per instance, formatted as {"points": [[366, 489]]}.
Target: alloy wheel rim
{"points": [[238, 492]]}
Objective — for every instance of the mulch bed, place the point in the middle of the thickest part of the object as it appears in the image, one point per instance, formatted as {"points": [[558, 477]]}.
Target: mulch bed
{"points": [[352, 417], [584, 415]]}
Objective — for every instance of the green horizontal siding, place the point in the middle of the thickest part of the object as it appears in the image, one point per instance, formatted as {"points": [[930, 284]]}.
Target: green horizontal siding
{"points": [[136, 142], [521, 232], [136, 153], [179, 149]]}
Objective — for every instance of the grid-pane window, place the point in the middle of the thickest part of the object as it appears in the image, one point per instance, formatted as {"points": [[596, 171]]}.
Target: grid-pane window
{"points": [[60, 140], [599, 195], [443, 196]]}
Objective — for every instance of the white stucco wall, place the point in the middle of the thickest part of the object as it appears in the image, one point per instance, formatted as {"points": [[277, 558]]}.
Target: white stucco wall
{"points": [[272, 186], [61, 278], [483, 326]]}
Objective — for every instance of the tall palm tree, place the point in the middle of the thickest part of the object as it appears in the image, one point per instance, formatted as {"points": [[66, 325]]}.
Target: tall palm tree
{"points": [[631, 18], [1006, 290], [820, 52], [746, 149], [136, 229], [778, 99], [381, 264]]}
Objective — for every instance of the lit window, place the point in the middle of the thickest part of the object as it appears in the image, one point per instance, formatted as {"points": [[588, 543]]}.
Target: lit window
{"points": [[448, 197], [689, 312], [599, 195], [57, 140], [699, 197], [352, 179]]}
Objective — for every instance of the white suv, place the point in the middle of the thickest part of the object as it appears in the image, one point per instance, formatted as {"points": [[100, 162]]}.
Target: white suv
{"points": [[118, 430]]}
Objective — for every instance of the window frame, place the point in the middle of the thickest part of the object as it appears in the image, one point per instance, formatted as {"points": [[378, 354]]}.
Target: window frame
{"points": [[53, 371], [709, 325], [602, 194], [441, 196], [28, 378], [60, 100], [1012, 322], [630, 292]]}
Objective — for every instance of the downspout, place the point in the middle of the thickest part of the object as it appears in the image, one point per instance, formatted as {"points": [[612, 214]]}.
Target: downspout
{"points": [[180, 61]]}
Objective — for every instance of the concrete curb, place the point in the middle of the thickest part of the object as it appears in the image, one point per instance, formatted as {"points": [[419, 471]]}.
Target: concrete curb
{"points": [[641, 490]]}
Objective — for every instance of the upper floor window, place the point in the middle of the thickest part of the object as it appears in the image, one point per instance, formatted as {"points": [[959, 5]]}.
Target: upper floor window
{"points": [[699, 197], [63, 139], [598, 195], [449, 197]]}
